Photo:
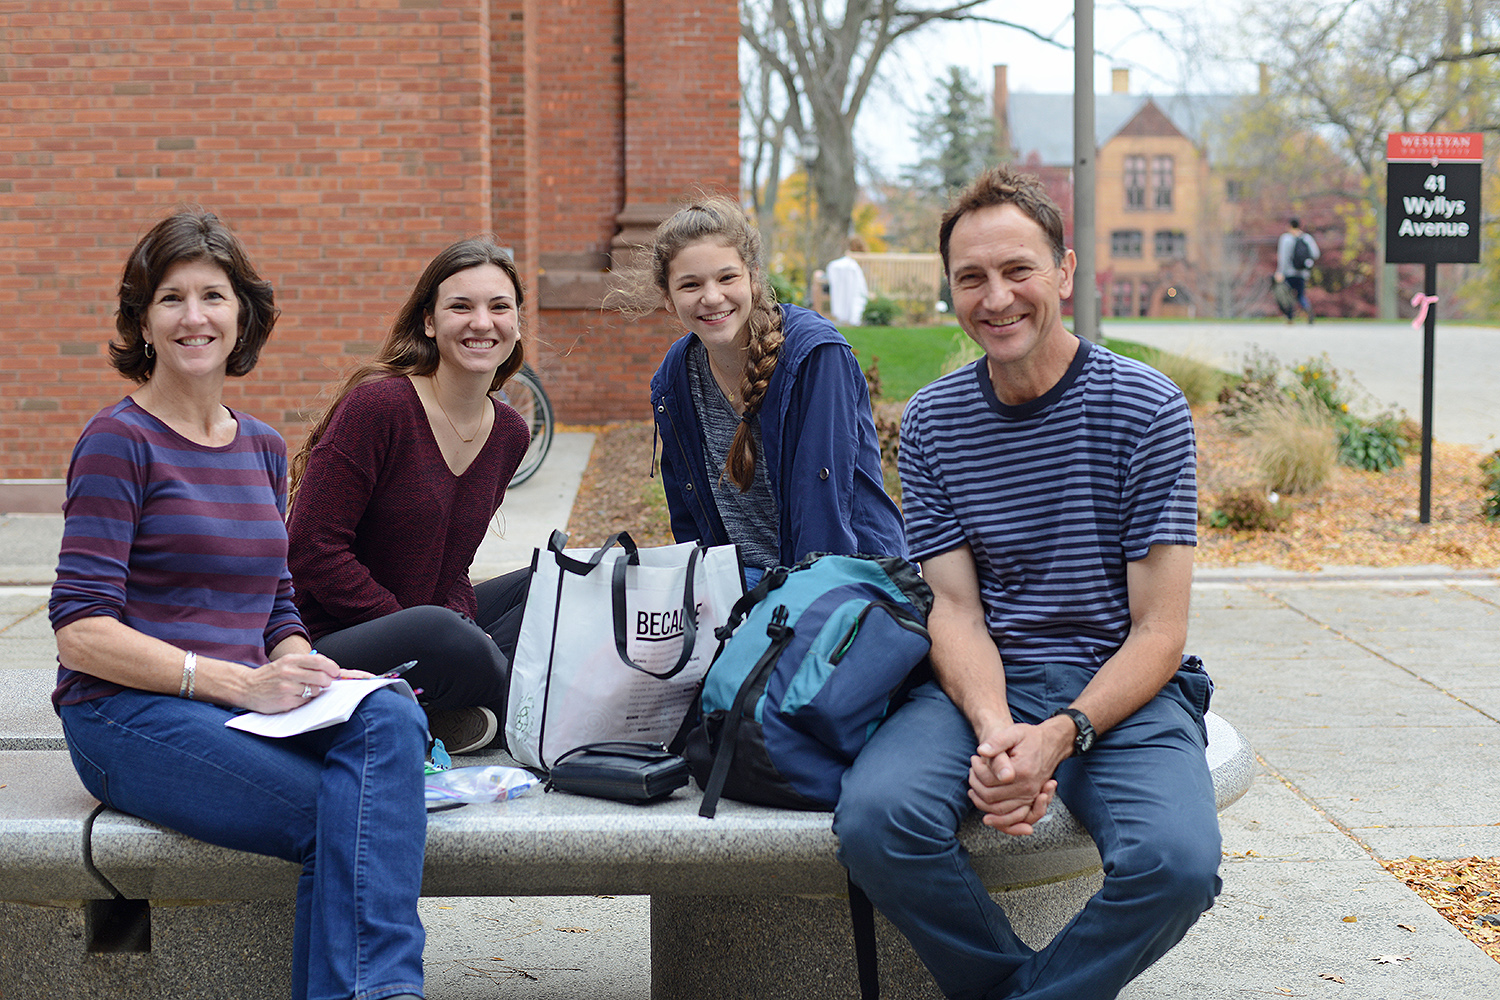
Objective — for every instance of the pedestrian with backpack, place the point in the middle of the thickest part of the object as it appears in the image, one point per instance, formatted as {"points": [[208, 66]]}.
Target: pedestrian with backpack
{"points": [[1295, 253]]}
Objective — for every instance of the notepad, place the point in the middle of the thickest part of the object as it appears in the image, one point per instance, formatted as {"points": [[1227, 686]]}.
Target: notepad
{"points": [[335, 705]]}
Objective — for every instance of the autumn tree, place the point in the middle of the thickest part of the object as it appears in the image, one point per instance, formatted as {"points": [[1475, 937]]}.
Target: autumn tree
{"points": [[1349, 72]]}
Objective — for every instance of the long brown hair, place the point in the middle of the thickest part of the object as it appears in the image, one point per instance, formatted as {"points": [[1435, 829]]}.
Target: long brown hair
{"points": [[407, 349], [641, 290]]}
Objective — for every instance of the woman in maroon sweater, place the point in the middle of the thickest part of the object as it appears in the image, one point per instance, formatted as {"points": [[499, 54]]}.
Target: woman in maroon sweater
{"points": [[394, 490]]}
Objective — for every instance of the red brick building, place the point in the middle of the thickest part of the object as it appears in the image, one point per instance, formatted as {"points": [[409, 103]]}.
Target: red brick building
{"points": [[346, 141]]}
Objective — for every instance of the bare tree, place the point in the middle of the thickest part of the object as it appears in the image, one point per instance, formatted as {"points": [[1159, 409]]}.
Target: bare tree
{"points": [[825, 56]]}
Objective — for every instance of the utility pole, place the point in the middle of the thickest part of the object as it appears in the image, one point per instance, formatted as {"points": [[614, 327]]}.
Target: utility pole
{"points": [[1085, 294]]}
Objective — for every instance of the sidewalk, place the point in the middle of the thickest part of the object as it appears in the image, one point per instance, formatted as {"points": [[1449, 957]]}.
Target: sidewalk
{"points": [[1372, 700]]}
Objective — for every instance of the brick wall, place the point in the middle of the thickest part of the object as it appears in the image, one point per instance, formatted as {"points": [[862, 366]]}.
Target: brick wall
{"points": [[346, 142]]}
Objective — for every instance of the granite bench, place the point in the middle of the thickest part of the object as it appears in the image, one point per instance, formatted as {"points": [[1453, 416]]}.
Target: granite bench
{"points": [[751, 903]]}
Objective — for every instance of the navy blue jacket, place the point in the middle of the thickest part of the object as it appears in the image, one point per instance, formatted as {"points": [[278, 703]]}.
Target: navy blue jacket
{"points": [[821, 450]]}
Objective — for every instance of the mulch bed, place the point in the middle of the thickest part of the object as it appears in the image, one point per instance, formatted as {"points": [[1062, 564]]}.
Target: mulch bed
{"points": [[1358, 518], [1466, 892]]}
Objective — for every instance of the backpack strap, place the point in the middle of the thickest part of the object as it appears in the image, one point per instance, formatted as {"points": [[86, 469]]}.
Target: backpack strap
{"points": [[781, 635], [862, 917]]}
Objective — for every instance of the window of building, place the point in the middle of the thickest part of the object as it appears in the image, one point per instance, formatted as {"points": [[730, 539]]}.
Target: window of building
{"points": [[1161, 181], [1125, 243], [1135, 182], [1171, 243], [1122, 298]]}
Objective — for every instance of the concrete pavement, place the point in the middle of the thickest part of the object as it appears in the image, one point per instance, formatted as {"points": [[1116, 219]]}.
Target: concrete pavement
{"points": [[1372, 700]]}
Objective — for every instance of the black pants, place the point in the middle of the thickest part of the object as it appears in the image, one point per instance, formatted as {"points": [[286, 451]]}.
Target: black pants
{"points": [[460, 663]]}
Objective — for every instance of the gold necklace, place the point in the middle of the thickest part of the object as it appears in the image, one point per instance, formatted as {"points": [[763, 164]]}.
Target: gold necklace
{"points": [[728, 394], [437, 395]]}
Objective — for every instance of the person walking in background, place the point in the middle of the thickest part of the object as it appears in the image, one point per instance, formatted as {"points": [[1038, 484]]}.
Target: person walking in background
{"points": [[1050, 496], [1295, 253], [767, 439], [173, 609], [847, 292], [395, 488]]}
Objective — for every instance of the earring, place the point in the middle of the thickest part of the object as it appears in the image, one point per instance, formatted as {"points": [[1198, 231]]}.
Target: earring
{"points": [[150, 351]]}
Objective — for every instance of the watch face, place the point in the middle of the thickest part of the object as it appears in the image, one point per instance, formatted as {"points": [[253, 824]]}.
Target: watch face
{"points": [[1085, 740]]}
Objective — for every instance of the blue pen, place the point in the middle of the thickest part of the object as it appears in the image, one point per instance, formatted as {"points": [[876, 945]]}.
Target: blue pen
{"points": [[400, 669]]}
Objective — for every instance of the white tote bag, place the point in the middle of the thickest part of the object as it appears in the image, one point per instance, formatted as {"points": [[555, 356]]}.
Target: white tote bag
{"points": [[614, 642]]}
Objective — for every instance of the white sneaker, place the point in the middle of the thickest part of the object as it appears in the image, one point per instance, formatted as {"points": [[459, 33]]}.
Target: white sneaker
{"points": [[464, 730]]}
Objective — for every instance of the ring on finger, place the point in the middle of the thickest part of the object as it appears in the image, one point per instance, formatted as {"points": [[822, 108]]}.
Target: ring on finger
{"points": [[307, 691]]}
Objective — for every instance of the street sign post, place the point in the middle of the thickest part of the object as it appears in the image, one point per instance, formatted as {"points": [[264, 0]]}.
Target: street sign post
{"points": [[1431, 218]]}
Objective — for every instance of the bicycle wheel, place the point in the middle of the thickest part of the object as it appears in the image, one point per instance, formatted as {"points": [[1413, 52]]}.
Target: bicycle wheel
{"points": [[524, 393]]}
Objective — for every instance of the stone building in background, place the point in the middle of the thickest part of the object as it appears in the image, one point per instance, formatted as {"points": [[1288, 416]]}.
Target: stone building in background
{"points": [[346, 143], [1172, 237]]}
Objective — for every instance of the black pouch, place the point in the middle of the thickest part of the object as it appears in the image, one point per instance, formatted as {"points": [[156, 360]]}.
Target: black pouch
{"points": [[618, 769]]}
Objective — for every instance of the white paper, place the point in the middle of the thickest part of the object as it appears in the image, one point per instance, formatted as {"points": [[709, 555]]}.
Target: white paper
{"points": [[335, 705]]}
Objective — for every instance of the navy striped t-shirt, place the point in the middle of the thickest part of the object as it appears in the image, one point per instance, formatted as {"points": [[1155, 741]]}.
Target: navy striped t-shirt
{"points": [[1053, 497], [179, 540]]}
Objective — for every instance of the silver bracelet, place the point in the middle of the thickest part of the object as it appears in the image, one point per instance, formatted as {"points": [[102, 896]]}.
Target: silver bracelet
{"points": [[189, 675]]}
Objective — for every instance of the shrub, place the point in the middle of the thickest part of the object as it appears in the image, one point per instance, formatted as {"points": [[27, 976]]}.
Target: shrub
{"points": [[888, 430], [788, 290], [1490, 468], [1323, 383], [1241, 397], [964, 351], [1294, 445], [1200, 382], [880, 311], [1249, 509], [873, 381], [1374, 446]]}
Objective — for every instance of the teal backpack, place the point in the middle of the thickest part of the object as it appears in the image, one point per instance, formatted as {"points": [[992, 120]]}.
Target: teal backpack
{"points": [[810, 661]]}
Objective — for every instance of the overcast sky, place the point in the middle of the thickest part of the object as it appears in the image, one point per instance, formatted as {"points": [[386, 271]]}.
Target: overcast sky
{"points": [[1157, 66]]}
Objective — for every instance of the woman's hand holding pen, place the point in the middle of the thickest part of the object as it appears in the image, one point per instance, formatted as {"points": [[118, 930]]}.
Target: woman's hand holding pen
{"points": [[290, 680]]}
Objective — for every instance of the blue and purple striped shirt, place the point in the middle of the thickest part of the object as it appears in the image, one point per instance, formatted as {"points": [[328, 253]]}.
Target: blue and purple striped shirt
{"points": [[178, 540]]}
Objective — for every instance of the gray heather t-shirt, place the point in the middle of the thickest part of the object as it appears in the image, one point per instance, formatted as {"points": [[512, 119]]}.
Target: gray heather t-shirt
{"points": [[749, 517]]}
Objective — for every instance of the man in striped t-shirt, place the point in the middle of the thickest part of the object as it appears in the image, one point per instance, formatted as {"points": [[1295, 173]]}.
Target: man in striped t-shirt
{"points": [[1050, 496]]}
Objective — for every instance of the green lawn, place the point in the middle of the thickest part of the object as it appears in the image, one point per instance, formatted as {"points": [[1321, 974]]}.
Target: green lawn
{"points": [[910, 357]]}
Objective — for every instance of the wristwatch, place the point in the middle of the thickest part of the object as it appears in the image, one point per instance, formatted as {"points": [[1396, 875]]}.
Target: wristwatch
{"points": [[1084, 741]]}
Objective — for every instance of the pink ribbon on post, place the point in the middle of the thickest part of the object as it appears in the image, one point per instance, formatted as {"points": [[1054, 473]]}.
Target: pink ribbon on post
{"points": [[1421, 301]]}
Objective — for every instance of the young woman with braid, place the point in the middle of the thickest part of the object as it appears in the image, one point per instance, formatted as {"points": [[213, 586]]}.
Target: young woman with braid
{"points": [[396, 485], [767, 437]]}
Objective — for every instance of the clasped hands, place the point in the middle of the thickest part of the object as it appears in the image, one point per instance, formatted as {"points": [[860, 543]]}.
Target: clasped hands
{"points": [[1010, 774]]}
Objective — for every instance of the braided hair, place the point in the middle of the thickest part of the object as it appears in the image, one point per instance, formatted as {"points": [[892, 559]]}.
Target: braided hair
{"points": [[640, 290]]}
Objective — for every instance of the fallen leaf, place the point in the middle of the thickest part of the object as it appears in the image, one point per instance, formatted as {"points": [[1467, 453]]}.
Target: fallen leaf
{"points": [[1407, 927], [1350, 919], [1331, 977], [572, 930], [1388, 959]]}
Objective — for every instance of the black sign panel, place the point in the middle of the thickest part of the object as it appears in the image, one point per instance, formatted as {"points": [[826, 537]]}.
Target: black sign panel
{"points": [[1432, 213]]}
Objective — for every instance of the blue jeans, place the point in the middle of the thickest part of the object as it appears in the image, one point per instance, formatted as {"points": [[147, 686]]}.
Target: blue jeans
{"points": [[1143, 792], [1298, 284], [345, 803]]}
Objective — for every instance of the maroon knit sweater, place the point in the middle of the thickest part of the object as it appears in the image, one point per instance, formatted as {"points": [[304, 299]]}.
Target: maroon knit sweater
{"points": [[380, 522]]}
